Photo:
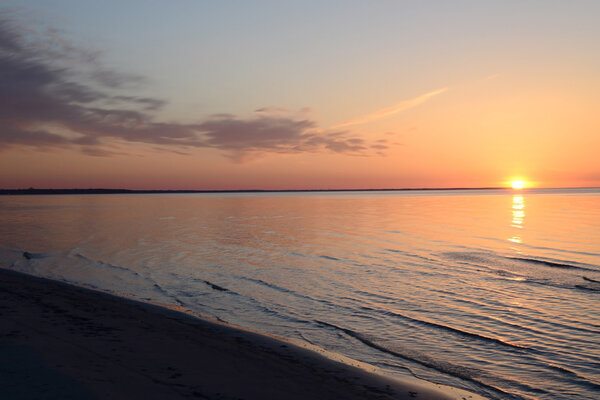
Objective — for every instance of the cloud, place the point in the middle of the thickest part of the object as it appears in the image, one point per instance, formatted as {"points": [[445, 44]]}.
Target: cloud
{"points": [[261, 133], [274, 135], [282, 111], [148, 103], [115, 79], [385, 112], [45, 105]]}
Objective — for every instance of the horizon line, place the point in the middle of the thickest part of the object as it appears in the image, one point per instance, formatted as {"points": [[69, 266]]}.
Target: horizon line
{"points": [[41, 191]]}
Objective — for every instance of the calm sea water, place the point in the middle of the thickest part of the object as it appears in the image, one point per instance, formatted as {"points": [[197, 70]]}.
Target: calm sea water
{"points": [[497, 292]]}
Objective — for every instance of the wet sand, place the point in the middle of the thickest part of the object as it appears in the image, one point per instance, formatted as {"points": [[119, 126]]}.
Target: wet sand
{"points": [[68, 342]]}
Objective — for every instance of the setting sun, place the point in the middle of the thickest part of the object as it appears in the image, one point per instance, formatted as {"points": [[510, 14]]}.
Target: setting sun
{"points": [[518, 184]]}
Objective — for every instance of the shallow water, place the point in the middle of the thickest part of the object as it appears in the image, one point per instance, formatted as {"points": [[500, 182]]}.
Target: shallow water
{"points": [[493, 291]]}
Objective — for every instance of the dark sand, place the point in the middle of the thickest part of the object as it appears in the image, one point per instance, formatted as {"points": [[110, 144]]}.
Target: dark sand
{"points": [[59, 341]]}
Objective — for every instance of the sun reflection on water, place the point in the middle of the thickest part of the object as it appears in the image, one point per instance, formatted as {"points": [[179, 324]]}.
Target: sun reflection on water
{"points": [[518, 216]]}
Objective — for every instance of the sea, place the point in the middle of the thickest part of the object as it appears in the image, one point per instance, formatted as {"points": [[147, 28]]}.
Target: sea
{"points": [[493, 291]]}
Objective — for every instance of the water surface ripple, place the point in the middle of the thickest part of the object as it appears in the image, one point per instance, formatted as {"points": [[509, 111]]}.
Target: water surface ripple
{"points": [[497, 292]]}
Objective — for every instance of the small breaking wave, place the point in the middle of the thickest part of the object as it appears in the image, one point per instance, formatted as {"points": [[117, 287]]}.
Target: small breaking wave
{"points": [[167, 294], [216, 287], [580, 379], [588, 288], [456, 370], [120, 269], [269, 285], [27, 255], [456, 330], [590, 279], [395, 251], [323, 256], [106, 265], [550, 263], [487, 259], [326, 257], [410, 355], [280, 289]]}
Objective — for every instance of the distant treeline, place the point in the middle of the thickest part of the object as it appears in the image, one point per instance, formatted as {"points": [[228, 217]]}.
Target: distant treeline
{"points": [[34, 191], [107, 191], [63, 191]]}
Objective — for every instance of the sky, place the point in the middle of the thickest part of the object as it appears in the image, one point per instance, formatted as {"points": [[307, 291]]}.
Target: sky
{"points": [[298, 95]]}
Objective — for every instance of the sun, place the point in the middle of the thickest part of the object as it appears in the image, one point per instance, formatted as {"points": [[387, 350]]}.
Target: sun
{"points": [[517, 184]]}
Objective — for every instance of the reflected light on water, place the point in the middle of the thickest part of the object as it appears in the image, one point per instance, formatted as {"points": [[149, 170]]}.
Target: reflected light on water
{"points": [[518, 216], [410, 271]]}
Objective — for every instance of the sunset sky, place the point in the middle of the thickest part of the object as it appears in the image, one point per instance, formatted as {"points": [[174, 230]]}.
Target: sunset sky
{"points": [[299, 95]]}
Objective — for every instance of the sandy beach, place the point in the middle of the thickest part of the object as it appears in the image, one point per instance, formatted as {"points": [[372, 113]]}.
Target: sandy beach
{"points": [[68, 342]]}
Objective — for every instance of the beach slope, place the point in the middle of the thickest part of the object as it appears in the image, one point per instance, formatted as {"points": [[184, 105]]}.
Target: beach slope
{"points": [[68, 342]]}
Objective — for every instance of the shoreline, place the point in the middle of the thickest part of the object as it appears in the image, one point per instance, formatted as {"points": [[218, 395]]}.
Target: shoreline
{"points": [[80, 191], [34, 191], [67, 341]]}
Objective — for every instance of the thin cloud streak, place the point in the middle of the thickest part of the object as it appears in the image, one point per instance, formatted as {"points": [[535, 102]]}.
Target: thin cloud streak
{"points": [[489, 78], [385, 112]]}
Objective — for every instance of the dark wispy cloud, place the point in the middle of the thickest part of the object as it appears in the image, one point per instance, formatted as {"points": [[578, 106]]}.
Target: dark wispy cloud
{"points": [[45, 103], [274, 135]]}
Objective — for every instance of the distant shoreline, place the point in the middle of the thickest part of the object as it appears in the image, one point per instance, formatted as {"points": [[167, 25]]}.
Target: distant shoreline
{"points": [[34, 191]]}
